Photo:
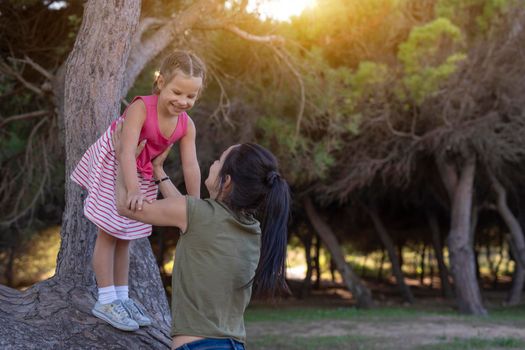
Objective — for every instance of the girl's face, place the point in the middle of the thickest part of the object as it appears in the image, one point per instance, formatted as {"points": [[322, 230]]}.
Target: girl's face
{"points": [[212, 182], [179, 94]]}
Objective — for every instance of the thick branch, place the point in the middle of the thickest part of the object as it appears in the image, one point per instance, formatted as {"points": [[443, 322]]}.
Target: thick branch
{"points": [[448, 175]]}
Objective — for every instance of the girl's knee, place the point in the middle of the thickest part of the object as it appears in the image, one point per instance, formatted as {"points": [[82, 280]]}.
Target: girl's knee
{"points": [[123, 242], [104, 236]]}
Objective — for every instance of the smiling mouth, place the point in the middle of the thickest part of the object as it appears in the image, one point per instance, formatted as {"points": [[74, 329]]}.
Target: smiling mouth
{"points": [[178, 107]]}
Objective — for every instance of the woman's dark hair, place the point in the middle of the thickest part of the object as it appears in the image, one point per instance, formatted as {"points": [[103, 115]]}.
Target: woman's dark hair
{"points": [[259, 189]]}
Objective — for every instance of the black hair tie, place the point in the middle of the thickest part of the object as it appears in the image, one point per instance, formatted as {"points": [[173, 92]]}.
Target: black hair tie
{"points": [[272, 177]]}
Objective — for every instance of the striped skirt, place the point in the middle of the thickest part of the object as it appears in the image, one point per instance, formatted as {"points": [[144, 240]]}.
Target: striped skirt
{"points": [[96, 172]]}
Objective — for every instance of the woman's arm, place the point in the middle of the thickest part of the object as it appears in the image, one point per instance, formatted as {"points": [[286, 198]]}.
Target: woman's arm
{"points": [[170, 211], [190, 164]]}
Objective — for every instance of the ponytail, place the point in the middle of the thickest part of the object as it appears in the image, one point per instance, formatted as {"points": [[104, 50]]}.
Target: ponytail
{"points": [[270, 276], [260, 190]]}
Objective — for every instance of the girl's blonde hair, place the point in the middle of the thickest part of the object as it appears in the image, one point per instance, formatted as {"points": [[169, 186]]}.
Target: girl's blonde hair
{"points": [[185, 61]]}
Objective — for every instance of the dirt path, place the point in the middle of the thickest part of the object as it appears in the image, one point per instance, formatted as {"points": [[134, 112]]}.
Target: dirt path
{"points": [[400, 334]]}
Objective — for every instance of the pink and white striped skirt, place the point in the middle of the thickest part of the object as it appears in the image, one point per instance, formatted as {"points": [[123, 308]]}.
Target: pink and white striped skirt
{"points": [[97, 172]]}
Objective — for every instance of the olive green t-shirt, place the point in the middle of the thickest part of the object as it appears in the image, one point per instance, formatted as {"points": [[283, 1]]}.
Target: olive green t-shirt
{"points": [[214, 260]]}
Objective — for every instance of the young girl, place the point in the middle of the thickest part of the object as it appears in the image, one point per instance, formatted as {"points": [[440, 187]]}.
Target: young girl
{"points": [[155, 122]]}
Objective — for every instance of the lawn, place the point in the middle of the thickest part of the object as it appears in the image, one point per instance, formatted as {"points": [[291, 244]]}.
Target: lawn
{"points": [[311, 327]]}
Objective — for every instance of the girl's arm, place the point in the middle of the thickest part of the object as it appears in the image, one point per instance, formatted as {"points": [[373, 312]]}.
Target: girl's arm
{"points": [[167, 188], [190, 165], [135, 117], [165, 212]]}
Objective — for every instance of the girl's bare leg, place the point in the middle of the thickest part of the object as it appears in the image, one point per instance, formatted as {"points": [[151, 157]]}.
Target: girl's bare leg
{"points": [[103, 258], [121, 262]]}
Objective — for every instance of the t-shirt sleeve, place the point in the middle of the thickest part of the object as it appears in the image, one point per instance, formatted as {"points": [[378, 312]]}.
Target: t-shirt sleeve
{"points": [[190, 208], [199, 212]]}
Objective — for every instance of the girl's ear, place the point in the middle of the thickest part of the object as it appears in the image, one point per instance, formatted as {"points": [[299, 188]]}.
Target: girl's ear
{"points": [[160, 82]]}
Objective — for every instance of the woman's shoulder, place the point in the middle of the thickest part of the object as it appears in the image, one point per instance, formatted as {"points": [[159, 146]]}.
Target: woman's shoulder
{"points": [[208, 213], [201, 204]]}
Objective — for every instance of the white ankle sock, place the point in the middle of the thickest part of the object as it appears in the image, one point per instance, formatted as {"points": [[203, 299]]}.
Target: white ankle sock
{"points": [[107, 295], [122, 292]]}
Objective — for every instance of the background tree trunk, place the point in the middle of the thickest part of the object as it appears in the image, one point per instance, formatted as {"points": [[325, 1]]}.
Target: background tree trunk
{"points": [[462, 259], [518, 281], [438, 250], [516, 232], [406, 293], [351, 280], [93, 86]]}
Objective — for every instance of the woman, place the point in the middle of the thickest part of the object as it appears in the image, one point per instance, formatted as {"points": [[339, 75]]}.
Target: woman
{"points": [[224, 252]]}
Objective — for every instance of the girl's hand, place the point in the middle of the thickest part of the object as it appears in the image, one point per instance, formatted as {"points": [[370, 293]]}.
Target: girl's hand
{"points": [[135, 200], [158, 161], [115, 138]]}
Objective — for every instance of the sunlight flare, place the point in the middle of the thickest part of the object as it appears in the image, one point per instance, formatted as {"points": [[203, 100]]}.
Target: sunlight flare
{"points": [[281, 10]]}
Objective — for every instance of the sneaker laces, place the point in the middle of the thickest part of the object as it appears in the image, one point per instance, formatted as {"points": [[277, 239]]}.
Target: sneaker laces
{"points": [[133, 307], [120, 311]]}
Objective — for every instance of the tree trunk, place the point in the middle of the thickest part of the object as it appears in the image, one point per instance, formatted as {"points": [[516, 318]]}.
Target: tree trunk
{"points": [[516, 232], [406, 293], [381, 265], [438, 251], [317, 262], [518, 281], [350, 279], [462, 260], [422, 266], [307, 282], [93, 86]]}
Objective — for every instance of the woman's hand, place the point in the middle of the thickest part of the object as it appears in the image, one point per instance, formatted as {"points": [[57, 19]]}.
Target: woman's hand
{"points": [[115, 138]]}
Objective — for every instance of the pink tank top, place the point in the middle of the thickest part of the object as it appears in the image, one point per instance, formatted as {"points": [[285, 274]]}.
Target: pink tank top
{"points": [[156, 143]]}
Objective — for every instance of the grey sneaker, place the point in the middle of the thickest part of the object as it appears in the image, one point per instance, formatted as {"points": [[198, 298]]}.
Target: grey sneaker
{"points": [[116, 315], [136, 312]]}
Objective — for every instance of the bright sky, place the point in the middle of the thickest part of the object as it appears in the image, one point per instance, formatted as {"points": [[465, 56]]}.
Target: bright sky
{"points": [[280, 10]]}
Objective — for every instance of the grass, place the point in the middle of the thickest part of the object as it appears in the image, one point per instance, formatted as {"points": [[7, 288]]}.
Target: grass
{"points": [[280, 313], [350, 342], [261, 314], [301, 327], [476, 343]]}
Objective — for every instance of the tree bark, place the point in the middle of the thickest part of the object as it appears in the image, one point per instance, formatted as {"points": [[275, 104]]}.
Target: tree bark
{"points": [[518, 281], [306, 239], [459, 185], [381, 265], [317, 262], [438, 251], [350, 279], [516, 232], [406, 293], [93, 86]]}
